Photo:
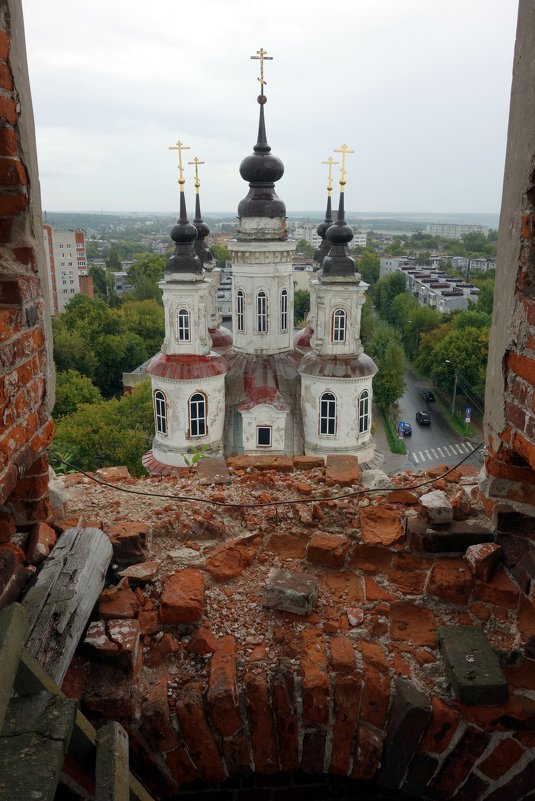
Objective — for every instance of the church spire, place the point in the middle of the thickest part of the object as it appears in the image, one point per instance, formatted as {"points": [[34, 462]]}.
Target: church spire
{"points": [[201, 249], [184, 259], [321, 230], [338, 262], [262, 168]]}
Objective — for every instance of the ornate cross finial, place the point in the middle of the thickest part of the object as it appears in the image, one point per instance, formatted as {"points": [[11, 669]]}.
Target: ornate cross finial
{"points": [[330, 161], [180, 147], [261, 55], [196, 162], [343, 150]]}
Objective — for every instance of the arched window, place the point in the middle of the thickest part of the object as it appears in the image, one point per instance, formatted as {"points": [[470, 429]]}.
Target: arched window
{"points": [[160, 412], [284, 310], [197, 415], [364, 414], [240, 310], [261, 312], [183, 325], [328, 414], [339, 326]]}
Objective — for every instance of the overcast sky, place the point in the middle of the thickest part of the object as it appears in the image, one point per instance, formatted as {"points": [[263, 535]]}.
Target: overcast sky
{"points": [[419, 88]]}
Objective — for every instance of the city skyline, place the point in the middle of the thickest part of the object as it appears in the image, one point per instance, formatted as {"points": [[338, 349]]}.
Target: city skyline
{"points": [[420, 92]]}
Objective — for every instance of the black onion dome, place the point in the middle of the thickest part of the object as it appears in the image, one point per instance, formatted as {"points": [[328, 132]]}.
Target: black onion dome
{"points": [[325, 246], [338, 261], [184, 233], [201, 249], [261, 169]]}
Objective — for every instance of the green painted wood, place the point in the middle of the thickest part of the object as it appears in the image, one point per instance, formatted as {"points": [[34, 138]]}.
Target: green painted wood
{"points": [[112, 772], [13, 629], [33, 743]]}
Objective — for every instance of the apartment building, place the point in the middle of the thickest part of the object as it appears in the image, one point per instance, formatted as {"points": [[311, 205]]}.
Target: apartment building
{"points": [[66, 262]]}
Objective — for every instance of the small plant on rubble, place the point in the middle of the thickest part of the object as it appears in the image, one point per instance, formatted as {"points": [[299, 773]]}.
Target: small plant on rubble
{"points": [[197, 452]]}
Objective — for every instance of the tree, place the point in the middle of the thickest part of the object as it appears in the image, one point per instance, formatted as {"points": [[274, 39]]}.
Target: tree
{"points": [[108, 433], [301, 306], [485, 299], [220, 254], [98, 274], [305, 248], [386, 350], [72, 390], [368, 266], [386, 290], [113, 262]]}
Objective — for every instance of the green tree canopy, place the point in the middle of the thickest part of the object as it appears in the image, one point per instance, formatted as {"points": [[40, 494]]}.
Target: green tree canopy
{"points": [[368, 266], [72, 390], [386, 289], [108, 433], [386, 350], [301, 306]]}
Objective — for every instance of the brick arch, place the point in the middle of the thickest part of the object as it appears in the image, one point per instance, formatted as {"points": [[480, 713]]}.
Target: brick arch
{"points": [[361, 723]]}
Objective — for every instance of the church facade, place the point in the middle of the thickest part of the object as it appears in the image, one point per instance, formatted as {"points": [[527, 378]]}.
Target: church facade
{"points": [[262, 389]]}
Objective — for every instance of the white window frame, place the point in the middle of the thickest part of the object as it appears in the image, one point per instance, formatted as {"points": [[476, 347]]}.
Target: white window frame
{"points": [[284, 310], [240, 311], [364, 411], [160, 412], [183, 325], [264, 428], [339, 323], [196, 402], [329, 415], [262, 312]]}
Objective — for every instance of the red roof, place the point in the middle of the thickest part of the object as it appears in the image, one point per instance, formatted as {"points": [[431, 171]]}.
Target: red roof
{"points": [[186, 367], [221, 337], [302, 338], [155, 467], [338, 366]]}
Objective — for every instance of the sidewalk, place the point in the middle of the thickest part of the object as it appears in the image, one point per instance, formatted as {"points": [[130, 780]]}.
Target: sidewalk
{"points": [[393, 462]]}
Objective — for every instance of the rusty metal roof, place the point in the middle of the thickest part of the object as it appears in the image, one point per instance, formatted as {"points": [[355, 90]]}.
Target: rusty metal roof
{"points": [[187, 367], [338, 366]]}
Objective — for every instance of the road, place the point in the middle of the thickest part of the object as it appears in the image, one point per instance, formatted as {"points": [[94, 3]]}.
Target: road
{"points": [[435, 444]]}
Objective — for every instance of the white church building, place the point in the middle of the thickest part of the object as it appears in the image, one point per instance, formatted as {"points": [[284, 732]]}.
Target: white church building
{"points": [[262, 389]]}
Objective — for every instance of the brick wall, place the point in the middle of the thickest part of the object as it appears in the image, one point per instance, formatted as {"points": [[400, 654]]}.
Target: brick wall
{"points": [[26, 378]]}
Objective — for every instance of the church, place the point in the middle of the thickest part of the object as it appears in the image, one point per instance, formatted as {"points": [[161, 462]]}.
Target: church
{"points": [[263, 388]]}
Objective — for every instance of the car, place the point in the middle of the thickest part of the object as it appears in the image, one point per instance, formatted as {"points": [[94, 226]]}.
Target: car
{"points": [[423, 418], [427, 395], [404, 429]]}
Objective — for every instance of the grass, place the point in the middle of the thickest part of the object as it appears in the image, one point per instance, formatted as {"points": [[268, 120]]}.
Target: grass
{"points": [[396, 445], [455, 420]]}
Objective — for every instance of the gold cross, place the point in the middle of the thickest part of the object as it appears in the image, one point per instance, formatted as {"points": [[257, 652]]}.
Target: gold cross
{"points": [[330, 161], [196, 162], [180, 147], [343, 150], [262, 56]]}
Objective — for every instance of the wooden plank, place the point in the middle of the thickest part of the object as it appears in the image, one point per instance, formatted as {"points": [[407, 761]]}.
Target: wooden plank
{"points": [[13, 629], [31, 679], [33, 744], [61, 600], [112, 773]]}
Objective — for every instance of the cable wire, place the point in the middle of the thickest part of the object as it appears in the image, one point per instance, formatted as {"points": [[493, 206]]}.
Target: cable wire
{"points": [[289, 502]]}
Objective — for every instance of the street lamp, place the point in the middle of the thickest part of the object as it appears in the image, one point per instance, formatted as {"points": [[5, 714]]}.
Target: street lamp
{"points": [[456, 375]]}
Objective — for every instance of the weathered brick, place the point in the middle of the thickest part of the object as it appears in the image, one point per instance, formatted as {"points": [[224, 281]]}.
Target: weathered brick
{"points": [[222, 689], [4, 45], [471, 666], [409, 715], [182, 599], [459, 763], [8, 110], [342, 655], [450, 580], [502, 759], [421, 769], [347, 690], [261, 725], [197, 734], [290, 592], [12, 172], [315, 680], [367, 755], [443, 725], [413, 624], [313, 757], [376, 684], [329, 550], [520, 365], [518, 787], [283, 693]]}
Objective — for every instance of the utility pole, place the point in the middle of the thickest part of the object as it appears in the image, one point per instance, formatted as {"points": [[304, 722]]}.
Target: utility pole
{"points": [[454, 392]]}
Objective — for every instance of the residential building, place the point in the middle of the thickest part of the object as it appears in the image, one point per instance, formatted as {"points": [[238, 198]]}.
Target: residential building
{"points": [[454, 230], [66, 262]]}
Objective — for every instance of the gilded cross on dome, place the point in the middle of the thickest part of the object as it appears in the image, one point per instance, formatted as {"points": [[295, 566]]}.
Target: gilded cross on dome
{"points": [[196, 162], [330, 161], [343, 150], [261, 55], [180, 147]]}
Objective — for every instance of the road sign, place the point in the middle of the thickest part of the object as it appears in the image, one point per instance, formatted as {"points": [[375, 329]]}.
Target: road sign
{"points": [[468, 411]]}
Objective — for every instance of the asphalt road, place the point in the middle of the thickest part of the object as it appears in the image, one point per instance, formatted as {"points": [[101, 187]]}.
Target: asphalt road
{"points": [[437, 443]]}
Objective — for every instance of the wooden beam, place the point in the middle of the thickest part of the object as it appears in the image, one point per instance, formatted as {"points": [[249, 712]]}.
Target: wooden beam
{"points": [[61, 600], [13, 629], [112, 772]]}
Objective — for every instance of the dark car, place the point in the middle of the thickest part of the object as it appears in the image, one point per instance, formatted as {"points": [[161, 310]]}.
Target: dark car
{"points": [[424, 418], [404, 428], [427, 395]]}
